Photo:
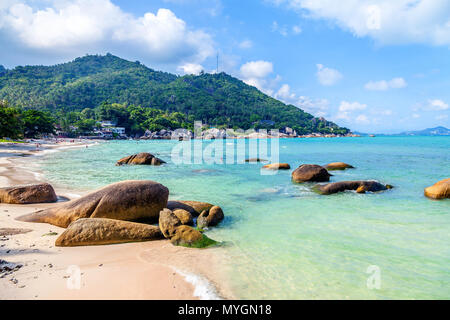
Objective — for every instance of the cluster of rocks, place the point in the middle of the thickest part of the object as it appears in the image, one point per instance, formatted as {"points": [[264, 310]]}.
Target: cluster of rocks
{"points": [[127, 211], [317, 173]]}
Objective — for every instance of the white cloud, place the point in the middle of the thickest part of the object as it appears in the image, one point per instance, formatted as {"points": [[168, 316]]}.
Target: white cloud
{"points": [[362, 119], [82, 25], [296, 29], [285, 94], [317, 107], [190, 68], [280, 29], [442, 117], [383, 85], [255, 73], [347, 109], [346, 106], [256, 69], [246, 44], [386, 21], [327, 76], [436, 105], [285, 30]]}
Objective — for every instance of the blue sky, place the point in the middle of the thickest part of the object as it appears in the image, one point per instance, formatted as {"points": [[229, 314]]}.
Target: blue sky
{"points": [[373, 66]]}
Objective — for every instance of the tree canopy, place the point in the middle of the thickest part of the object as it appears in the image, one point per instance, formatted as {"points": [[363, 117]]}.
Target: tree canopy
{"points": [[88, 84]]}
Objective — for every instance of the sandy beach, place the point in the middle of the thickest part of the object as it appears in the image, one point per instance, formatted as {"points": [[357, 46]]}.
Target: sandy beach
{"points": [[147, 270]]}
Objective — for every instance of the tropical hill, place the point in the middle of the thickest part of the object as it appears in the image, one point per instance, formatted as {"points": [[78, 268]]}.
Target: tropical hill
{"points": [[438, 131], [86, 83]]}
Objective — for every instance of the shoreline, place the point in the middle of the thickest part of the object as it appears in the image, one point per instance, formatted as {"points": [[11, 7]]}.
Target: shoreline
{"points": [[154, 270]]}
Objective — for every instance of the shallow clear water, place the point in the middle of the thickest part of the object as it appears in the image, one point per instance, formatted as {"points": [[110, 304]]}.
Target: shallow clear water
{"points": [[286, 242]]}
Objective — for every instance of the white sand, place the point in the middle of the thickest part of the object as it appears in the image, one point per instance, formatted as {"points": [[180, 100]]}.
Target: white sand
{"points": [[149, 270]]}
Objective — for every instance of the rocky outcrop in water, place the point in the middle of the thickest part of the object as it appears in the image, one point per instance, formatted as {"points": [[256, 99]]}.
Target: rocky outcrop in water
{"points": [[440, 190], [193, 207], [310, 173], [26, 194], [255, 160], [100, 231], [127, 200], [358, 186], [189, 237], [338, 166], [210, 218], [277, 166], [143, 158]]}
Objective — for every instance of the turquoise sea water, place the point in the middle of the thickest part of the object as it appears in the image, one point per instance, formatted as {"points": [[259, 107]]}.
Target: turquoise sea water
{"points": [[286, 242]]}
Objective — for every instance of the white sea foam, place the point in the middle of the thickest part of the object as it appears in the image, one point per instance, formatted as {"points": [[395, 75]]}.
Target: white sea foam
{"points": [[202, 287]]}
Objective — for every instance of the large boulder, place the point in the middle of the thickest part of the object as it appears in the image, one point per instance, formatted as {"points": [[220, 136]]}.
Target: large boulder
{"points": [[189, 237], [338, 166], [33, 193], [99, 231], [127, 200], [439, 190], [310, 173], [168, 222], [210, 218], [358, 186], [277, 166], [193, 207], [143, 158]]}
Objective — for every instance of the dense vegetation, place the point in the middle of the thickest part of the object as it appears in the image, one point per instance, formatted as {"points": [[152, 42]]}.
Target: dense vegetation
{"points": [[18, 123], [78, 90]]}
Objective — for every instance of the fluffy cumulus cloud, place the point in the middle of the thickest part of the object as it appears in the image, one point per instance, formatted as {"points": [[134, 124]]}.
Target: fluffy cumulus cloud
{"points": [[83, 25], [384, 85], [327, 76], [386, 21], [350, 112], [256, 73], [190, 68], [317, 107], [256, 69]]}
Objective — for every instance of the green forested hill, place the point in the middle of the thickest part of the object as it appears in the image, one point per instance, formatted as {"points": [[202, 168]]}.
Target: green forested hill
{"points": [[89, 81]]}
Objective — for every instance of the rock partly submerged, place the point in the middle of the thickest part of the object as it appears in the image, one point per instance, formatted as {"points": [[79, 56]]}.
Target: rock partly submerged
{"points": [[210, 218], [277, 166], [358, 186], [310, 173], [127, 200], [255, 160], [193, 207], [440, 190], [338, 166], [101, 231], [189, 237], [142, 158], [27, 194]]}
